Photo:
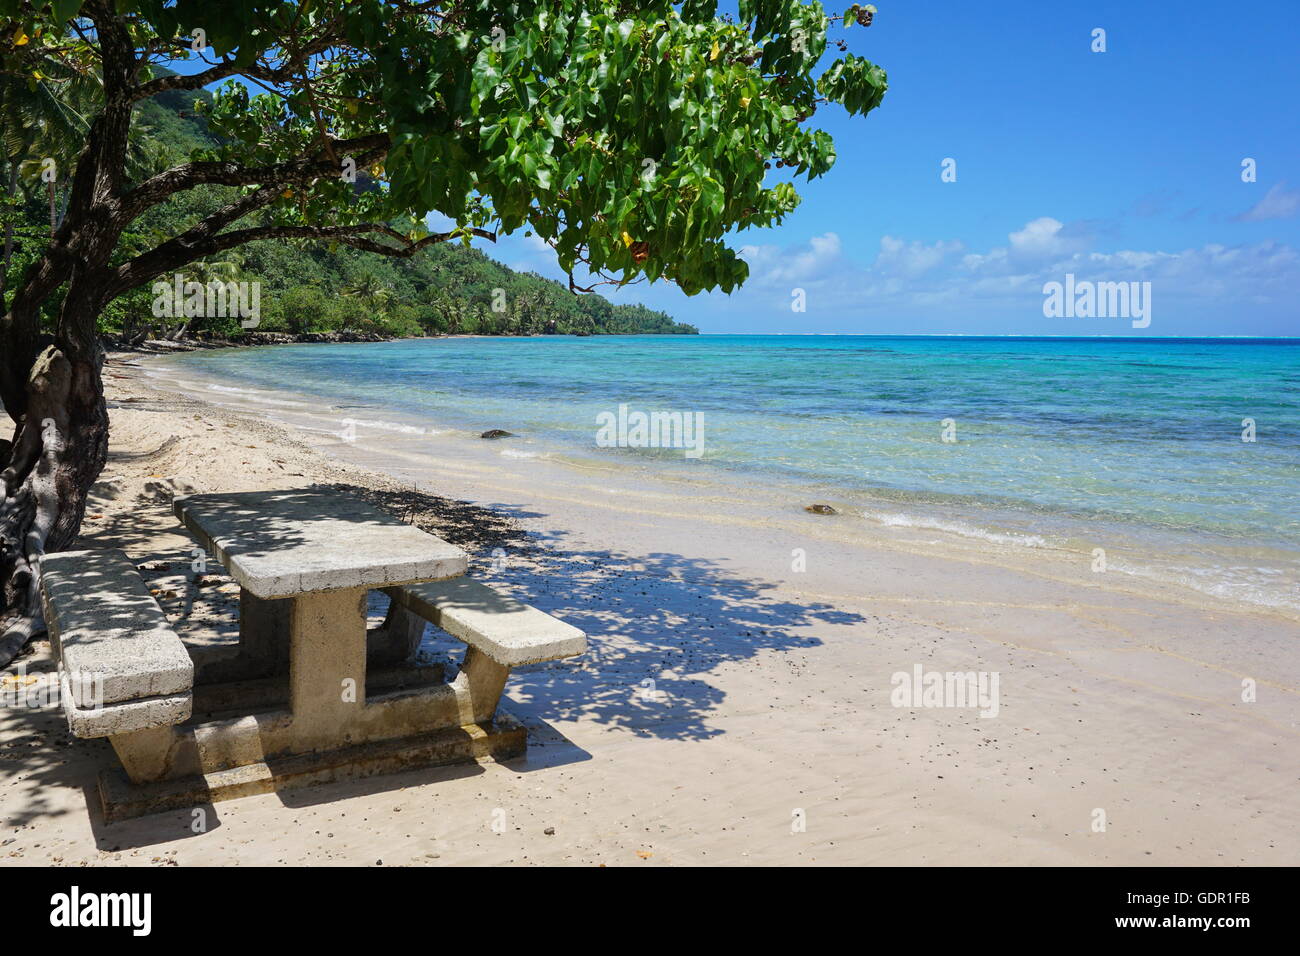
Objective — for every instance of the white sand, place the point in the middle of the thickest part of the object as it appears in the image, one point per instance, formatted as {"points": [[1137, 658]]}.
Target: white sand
{"points": [[771, 686]]}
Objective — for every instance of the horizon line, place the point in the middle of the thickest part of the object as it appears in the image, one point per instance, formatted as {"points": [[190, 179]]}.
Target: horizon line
{"points": [[1005, 335]]}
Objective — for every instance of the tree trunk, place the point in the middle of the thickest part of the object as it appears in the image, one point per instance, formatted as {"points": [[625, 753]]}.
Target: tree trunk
{"points": [[51, 386], [65, 195], [59, 448]]}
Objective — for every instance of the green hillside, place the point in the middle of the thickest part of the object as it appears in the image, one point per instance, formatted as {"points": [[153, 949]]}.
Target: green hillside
{"points": [[310, 286]]}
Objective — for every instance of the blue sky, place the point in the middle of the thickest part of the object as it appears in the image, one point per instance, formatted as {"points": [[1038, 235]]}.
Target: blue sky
{"points": [[1115, 166]]}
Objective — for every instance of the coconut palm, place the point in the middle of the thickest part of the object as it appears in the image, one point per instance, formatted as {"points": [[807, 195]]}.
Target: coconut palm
{"points": [[206, 272], [371, 291], [43, 128]]}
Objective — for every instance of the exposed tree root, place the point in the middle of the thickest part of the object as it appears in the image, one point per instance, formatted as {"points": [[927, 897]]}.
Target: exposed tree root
{"points": [[56, 445]]}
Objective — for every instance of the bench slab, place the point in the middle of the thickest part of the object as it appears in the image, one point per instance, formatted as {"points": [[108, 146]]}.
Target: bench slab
{"points": [[125, 718], [508, 631], [106, 626]]}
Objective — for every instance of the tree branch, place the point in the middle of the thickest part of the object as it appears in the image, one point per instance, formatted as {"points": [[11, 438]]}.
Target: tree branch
{"points": [[227, 68], [195, 81], [365, 150]]}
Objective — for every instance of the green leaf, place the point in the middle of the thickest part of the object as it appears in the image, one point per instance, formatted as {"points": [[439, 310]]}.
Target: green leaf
{"points": [[65, 9]]}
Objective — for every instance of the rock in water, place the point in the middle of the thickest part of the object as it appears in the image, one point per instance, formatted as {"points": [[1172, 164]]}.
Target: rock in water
{"points": [[497, 433], [821, 509]]}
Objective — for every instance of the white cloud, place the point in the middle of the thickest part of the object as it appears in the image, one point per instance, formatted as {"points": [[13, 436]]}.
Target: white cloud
{"points": [[899, 257], [770, 265], [437, 222], [1042, 237], [1278, 203], [943, 285]]}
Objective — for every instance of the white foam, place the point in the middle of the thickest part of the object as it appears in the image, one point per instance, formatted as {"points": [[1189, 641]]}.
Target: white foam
{"points": [[959, 528], [213, 386], [392, 426], [1230, 583]]}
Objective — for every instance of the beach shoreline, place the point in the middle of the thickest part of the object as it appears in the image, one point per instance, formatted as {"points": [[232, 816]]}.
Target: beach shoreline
{"points": [[417, 443], [738, 704]]}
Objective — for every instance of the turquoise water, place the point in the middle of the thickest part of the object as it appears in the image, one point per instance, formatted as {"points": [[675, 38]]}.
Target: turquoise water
{"points": [[1145, 434]]}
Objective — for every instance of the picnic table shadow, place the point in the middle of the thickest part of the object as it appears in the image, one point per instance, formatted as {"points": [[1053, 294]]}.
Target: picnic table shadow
{"points": [[658, 626]]}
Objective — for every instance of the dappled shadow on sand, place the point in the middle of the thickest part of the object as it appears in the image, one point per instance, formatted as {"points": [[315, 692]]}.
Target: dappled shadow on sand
{"points": [[660, 617], [656, 635]]}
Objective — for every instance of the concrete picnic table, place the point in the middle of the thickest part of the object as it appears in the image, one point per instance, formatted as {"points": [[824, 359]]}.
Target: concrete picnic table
{"points": [[305, 561], [310, 694]]}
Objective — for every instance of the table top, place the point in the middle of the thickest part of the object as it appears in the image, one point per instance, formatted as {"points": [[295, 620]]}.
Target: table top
{"points": [[285, 543]]}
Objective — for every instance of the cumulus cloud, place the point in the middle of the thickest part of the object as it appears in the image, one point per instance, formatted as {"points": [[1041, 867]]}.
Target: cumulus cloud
{"points": [[1278, 203], [915, 258], [437, 222], [1039, 238], [938, 285], [772, 265]]}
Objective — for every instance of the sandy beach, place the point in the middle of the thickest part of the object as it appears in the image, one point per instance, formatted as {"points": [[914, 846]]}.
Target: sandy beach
{"points": [[735, 706]]}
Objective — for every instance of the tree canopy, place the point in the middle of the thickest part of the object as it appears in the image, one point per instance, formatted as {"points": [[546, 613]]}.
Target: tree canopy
{"points": [[447, 288], [631, 137]]}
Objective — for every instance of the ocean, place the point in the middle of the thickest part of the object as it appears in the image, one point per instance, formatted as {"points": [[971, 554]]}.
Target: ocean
{"points": [[1179, 456]]}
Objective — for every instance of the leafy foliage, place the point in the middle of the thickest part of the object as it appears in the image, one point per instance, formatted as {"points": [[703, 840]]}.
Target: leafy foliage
{"points": [[635, 139], [448, 288]]}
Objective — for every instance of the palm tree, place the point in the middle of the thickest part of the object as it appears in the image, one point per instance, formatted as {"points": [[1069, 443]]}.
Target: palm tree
{"points": [[529, 304], [486, 321], [371, 291], [206, 272], [43, 107]]}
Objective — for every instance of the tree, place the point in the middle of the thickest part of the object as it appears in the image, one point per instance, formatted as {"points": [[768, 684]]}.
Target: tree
{"points": [[303, 308], [371, 291], [42, 125], [205, 272], [631, 138]]}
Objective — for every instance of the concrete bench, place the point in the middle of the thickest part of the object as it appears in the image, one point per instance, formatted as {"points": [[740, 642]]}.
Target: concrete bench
{"points": [[122, 669], [508, 631], [501, 633]]}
